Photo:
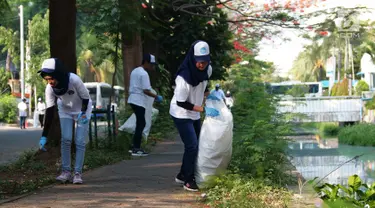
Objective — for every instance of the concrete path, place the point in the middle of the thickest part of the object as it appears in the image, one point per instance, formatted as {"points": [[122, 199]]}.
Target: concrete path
{"points": [[141, 182]]}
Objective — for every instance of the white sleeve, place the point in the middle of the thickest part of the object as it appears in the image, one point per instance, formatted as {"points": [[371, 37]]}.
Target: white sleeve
{"points": [[182, 89], [50, 96], [81, 89], [209, 71], [145, 81]]}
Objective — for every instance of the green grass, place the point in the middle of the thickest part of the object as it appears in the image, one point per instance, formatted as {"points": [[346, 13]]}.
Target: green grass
{"points": [[237, 191], [360, 134]]}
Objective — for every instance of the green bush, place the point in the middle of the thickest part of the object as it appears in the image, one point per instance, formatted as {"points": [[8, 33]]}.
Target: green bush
{"points": [[356, 194], [360, 87], [329, 129], [258, 149], [8, 109], [360, 134], [341, 89]]}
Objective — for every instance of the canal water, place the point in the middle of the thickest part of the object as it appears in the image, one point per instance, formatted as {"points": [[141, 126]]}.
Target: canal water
{"points": [[316, 157]]}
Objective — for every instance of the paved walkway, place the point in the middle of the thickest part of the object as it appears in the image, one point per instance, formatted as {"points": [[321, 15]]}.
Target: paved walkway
{"points": [[15, 141], [141, 182]]}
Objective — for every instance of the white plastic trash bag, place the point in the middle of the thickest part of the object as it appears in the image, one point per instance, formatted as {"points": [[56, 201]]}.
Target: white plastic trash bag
{"points": [[130, 124], [150, 116], [36, 120], [215, 142]]}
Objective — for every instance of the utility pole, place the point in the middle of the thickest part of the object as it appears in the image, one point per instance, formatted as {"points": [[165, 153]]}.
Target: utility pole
{"points": [[22, 55]]}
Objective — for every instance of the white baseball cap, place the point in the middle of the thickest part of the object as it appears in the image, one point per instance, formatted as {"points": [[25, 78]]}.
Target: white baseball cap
{"points": [[149, 58], [201, 51], [48, 66]]}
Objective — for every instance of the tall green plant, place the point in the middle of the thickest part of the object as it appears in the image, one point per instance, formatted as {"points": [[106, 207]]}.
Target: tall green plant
{"points": [[8, 109], [258, 149], [38, 41]]}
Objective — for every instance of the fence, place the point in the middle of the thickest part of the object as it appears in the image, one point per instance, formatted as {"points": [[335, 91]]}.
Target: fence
{"points": [[111, 126]]}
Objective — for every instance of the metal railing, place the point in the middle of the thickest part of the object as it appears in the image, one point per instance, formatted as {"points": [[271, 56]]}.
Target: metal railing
{"points": [[110, 116]]}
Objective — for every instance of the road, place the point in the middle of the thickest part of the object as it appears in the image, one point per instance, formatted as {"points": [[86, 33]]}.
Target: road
{"points": [[14, 141]]}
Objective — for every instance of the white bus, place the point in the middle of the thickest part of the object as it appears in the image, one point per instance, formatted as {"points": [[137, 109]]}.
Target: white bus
{"points": [[100, 93], [309, 89]]}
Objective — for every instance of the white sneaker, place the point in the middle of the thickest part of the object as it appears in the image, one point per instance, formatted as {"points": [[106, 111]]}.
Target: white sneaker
{"points": [[64, 176], [139, 153], [77, 178]]}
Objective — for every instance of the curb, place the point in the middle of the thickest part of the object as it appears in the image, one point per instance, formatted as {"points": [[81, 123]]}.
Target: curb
{"points": [[29, 123]]}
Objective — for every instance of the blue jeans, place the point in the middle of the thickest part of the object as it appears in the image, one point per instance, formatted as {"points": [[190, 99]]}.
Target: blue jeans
{"points": [[22, 122], [66, 143], [189, 132]]}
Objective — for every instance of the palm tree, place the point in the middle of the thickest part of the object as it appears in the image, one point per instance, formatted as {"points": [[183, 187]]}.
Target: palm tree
{"points": [[309, 65]]}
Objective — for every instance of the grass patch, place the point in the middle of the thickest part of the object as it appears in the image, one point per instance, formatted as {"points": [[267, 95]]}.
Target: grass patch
{"points": [[232, 190], [329, 129], [360, 134]]}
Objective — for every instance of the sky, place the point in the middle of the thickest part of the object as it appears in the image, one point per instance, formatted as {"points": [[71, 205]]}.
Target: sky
{"points": [[284, 53]]}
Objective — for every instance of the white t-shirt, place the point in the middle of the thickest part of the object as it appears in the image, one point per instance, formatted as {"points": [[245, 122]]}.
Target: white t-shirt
{"points": [[22, 109], [41, 108], [70, 103], [218, 93], [139, 81], [185, 92]]}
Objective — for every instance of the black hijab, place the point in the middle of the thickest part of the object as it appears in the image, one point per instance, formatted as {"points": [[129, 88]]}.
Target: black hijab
{"points": [[57, 71]]}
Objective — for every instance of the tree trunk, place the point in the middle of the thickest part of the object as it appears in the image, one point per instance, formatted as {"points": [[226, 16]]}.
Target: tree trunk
{"points": [[131, 55], [131, 41], [62, 34], [8, 62], [62, 30]]}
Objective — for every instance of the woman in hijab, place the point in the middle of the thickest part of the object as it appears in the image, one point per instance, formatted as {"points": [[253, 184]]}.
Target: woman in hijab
{"points": [[67, 91], [186, 106]]}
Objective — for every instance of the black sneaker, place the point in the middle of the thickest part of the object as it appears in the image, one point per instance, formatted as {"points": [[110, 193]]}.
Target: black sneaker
{"points": [[139, 153], [180, 179], [191, 186]]}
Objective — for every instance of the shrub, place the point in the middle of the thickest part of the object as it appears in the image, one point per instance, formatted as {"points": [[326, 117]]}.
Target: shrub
{"points": [[341, 89], [329, 129], [360, 87], [360, 134], [8, 109]]}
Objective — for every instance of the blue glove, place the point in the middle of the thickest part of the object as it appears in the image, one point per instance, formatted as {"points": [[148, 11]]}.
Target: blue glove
{"points": [[212, 97], [159, 99], [211, 112], [82, 119], [42, 142]]}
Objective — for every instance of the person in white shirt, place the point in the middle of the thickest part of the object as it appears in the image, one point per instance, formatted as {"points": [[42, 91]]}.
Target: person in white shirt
{"points": [[41, 108], [217, 92], [139, 91], [229, 100], [67, 92], [186, 105], [22, 107]]}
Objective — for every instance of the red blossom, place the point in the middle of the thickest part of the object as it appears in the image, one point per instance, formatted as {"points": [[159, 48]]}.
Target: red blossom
{"points": [[144, 5]]}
